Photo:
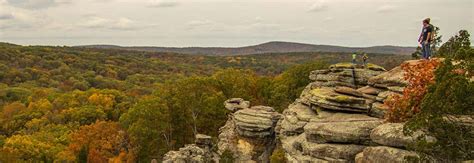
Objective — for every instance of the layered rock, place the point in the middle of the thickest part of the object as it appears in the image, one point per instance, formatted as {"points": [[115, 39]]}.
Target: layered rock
{"points": [[338, 118], [235, 104], [249, 134], [200, 152], [387, 155]]}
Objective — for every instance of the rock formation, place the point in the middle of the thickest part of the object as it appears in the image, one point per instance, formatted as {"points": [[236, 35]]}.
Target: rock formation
{"points": [[337, 118], [199, 152], [249, 133]]}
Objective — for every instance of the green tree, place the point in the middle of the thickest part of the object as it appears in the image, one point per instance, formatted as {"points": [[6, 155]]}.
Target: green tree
{"points": [[148, 123]]}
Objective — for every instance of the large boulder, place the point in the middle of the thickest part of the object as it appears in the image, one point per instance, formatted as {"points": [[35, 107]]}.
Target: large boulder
{"points": [[341, 128], [249, 134], [386, 155], [257, 121]]}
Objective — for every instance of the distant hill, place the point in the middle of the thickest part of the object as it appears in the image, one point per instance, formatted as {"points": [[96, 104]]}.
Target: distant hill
{"points": [[270, 47]]}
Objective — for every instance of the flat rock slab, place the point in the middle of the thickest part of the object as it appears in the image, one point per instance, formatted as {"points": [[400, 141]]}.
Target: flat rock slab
{"points": [[348, 91], [328, 98], [370, 90], [394, 77], [341, 128], [332, 152], [386, 155]]}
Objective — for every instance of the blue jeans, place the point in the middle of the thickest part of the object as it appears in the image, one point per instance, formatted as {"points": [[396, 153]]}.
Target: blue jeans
{"points": [[426, 50]]}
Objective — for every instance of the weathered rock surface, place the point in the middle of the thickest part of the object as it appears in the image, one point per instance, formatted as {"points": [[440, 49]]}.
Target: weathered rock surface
{"points": [[394, 77], [193, 153], [328, 98], [386, 155], [249, 134], [258, 121], [332, 152], [341, 128], [235, 104], [339, 118], [295, 118]]}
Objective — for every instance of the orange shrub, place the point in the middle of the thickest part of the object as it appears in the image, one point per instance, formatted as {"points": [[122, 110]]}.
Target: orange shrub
{"points": [[419, 76]]}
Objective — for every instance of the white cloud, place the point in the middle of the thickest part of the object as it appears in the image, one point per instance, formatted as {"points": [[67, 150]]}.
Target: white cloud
{"points": [[108, 23], [386, 8], [163, 3], [317, 6], [36, 4]]}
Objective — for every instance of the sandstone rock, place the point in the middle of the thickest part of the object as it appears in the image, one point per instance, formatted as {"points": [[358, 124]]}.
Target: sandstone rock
{"points": [[386, 155], [190, 154], [295, 117], [327, 98], [369, 90], [203, 141], [333, 152], [249, 134], [227, 136], [348, 91], [236, 104], [341, 128], [378, 110], [342, 75], [375, 67], [385, 94], [391, 134], [258, 121], [394, 77]]}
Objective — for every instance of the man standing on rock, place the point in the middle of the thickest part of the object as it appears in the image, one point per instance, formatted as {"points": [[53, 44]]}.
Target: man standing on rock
{"points": [[365, 58], [425, 38]]}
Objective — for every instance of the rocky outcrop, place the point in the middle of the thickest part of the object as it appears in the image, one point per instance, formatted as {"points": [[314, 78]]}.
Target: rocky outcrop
{"points": [[249, 133], [338, 118], [236, 104], [200, 152]]}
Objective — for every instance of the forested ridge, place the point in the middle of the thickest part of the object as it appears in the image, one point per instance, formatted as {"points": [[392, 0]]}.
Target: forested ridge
{"points": [[99, 105]]}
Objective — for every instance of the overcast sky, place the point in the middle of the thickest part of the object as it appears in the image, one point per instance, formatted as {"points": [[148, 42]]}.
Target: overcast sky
{"points": [[228, 22]]}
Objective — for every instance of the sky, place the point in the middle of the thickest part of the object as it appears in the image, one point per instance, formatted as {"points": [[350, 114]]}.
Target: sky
{"points": [[228, 23]]}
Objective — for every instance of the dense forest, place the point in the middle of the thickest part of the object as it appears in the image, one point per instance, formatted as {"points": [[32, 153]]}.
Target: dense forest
{"points": [[99, 105]]}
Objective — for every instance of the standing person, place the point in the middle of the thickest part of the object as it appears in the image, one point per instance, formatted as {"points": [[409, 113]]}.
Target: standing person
{"points": [[425, 38], [365, 58], [354, 56]]}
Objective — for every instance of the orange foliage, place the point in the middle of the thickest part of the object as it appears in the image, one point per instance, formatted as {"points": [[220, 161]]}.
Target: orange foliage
{"points": [[104, 141], [419, 76]]}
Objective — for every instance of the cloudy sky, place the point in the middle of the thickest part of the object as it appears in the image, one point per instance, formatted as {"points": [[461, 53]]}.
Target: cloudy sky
{"points": [[228, 22]]}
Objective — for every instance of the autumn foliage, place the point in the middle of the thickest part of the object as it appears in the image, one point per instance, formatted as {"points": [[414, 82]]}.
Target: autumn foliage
{"points": [[419, 76], [102, 142]]}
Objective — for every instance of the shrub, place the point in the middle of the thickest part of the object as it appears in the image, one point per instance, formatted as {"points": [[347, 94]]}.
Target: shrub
{"points": [[419, 76]]}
